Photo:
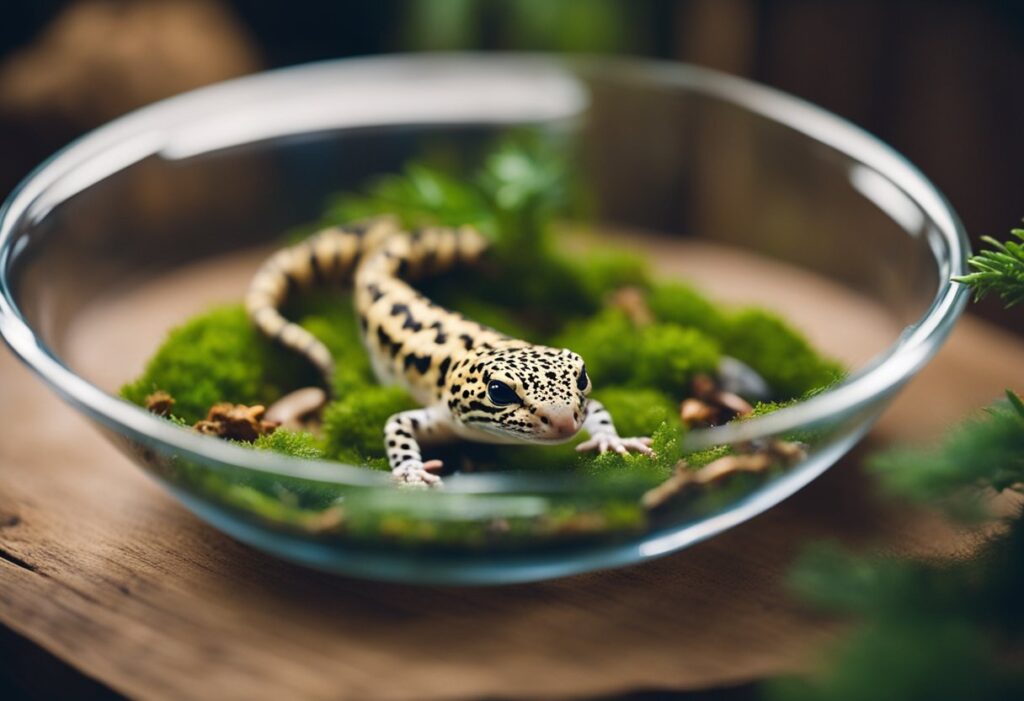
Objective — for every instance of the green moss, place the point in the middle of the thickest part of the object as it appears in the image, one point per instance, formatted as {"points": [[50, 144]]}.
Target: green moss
{"points": [[354, 424], [659, 356], [765, 408], [603, 272], [607, 342], [781, 355], [297, 444], [701, 458], [331, 318], [638, 411], [680, 304], [218, 357], [639, 468], [669, 355]]}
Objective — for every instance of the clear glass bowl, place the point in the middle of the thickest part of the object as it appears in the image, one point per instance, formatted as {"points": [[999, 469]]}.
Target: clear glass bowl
{"points": [[686, 156]]}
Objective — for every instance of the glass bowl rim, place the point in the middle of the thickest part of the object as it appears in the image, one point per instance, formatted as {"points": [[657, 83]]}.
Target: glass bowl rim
{"points": [[897, 364]]}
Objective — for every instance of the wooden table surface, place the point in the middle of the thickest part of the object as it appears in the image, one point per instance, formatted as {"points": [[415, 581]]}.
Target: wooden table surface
{"points": [[105, 570]]}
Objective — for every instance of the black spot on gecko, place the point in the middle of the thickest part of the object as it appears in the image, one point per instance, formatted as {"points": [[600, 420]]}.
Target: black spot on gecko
{"points": [[386, 341], [467, 341], [420, 362], [442, 371], [293, 284], [314, 266]]}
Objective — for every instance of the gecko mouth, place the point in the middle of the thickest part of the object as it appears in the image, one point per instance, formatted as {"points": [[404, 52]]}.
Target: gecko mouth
{"points": [[555, 436]]}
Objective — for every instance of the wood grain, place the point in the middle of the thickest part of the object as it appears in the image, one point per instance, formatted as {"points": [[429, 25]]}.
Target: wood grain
{"points": [[99, 565]]}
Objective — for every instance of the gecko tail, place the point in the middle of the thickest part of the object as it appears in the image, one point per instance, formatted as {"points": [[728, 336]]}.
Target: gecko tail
{"points": [[330, 255]]}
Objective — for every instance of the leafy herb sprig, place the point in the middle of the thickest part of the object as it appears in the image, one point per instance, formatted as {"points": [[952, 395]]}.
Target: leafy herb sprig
{"points": [[999, 270]]}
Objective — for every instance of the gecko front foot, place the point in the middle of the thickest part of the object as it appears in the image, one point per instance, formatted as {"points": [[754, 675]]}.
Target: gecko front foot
{"points": [[416, 473], [603, 442]]}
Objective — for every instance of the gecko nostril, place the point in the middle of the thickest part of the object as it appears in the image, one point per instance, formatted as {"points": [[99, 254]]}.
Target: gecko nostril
{"points": [[544, 420]]}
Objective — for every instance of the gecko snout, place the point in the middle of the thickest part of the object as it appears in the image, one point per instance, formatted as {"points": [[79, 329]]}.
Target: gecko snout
{"points": [[562, 422]]}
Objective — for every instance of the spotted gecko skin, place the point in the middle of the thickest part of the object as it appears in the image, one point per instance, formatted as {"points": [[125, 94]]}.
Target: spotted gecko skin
{"points": [[473, 382]]}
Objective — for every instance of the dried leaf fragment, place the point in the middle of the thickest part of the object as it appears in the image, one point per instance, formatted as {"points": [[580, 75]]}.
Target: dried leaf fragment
{"points": [[774, 453], [236, 422], [160, 403]]}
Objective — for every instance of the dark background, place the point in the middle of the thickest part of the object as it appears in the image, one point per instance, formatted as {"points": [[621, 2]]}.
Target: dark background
{"points": [[942, 80]]}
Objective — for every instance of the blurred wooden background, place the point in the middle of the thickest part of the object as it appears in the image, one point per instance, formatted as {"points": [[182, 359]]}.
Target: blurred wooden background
{"points": [[938, 79]]}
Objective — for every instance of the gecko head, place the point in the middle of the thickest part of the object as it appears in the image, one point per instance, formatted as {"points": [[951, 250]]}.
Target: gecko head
{"points": [[524, 393]]}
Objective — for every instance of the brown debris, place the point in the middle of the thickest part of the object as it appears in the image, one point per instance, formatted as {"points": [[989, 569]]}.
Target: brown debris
{"points": [[694, 412], [632, 301], [710, 405], [734, 403], [160, 403], [236, 422], [776, 452]]}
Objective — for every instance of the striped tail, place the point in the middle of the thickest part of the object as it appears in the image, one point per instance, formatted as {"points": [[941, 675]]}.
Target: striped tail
{"points": [[329, 255]]}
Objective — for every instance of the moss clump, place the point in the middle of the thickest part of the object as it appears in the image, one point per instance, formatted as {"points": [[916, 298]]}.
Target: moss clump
{"points": [[666, 441], [638, 411], [669, 355], [704, 457], [354, 424], [297, 444], [330, 317], [215, 357], [782, 356], [681, 304], [661, 355], [607, 342]]}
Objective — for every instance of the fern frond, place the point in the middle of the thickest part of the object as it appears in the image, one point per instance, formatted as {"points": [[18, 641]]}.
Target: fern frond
{"points": [[998, 270]]}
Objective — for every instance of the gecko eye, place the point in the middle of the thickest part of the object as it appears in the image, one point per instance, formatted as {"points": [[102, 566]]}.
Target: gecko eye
{"points": [[501, 394], [583, 380]]}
